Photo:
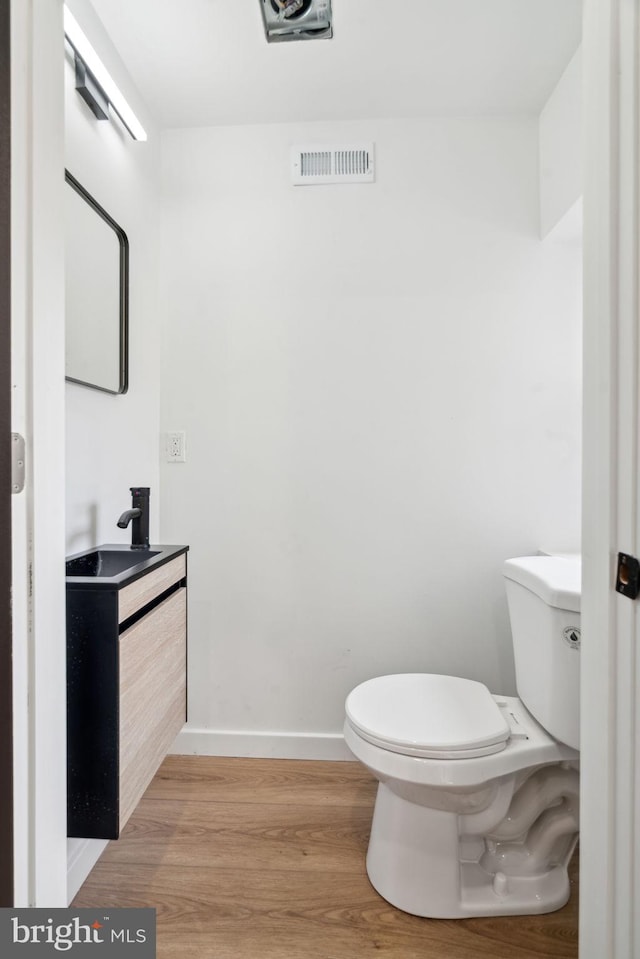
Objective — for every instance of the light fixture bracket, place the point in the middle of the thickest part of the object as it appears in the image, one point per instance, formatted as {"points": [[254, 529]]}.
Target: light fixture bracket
{"points": [[90, 90]]}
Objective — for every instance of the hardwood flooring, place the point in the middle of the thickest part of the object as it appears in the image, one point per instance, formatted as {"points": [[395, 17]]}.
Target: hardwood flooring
{"points": [[264, 859]]}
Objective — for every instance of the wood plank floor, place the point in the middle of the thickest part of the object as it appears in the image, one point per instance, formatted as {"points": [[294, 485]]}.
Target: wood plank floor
{"points": [[264, 859]]}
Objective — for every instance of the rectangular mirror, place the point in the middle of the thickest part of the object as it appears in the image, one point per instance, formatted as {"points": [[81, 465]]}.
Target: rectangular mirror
{"points": [[97, 293]]}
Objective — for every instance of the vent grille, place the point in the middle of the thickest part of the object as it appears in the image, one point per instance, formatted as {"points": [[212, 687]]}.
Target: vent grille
{"points": [[327, 164], [315, 164]]}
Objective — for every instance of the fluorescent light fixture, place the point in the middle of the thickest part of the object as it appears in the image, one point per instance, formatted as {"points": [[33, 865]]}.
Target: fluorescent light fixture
{"points": [[85, 52]]}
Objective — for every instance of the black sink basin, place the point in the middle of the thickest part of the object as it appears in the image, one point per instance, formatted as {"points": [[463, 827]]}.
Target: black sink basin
{"points": [[107, 562]]}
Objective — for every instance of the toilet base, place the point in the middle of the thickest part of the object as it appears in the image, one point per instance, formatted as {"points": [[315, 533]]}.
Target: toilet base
{"points": [[414, 862]]}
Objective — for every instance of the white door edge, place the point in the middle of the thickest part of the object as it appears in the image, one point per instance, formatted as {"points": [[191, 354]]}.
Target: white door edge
{"points": [[610, 690], [38, 414]]}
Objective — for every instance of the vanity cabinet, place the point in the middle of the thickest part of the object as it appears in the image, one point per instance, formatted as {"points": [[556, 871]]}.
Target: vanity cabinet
{"points": [[126, 687]]}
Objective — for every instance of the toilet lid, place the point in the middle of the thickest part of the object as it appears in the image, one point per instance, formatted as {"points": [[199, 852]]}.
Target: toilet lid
{"points": [[426, 715]]}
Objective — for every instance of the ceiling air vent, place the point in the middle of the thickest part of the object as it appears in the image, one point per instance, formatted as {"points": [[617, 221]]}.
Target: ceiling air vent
{"points": [[332, 164], [297, 20]]}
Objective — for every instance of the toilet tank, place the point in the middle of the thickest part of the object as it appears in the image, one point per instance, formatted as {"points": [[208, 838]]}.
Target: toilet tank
{"points": [[543, 593]]}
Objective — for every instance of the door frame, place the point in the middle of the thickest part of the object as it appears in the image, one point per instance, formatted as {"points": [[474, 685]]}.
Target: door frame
{"points": [[6, 651], [37, 380], [610, 677]]}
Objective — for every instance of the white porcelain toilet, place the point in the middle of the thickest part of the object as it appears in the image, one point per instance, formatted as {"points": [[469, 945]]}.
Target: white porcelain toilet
{"points": [[477, 805]]}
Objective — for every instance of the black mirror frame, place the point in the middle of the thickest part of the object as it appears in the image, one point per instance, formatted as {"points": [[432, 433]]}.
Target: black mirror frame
{"points": [[123, 241]]}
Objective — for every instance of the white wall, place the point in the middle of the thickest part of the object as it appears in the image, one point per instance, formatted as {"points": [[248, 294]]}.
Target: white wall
{"points": [[112, 441], [561, 148], [380, 387]]}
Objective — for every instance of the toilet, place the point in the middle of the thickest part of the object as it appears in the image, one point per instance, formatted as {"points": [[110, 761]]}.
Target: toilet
{"points": [[477, 807]]}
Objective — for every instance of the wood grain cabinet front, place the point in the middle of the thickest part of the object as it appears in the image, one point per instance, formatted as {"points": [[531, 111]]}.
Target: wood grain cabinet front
{"points": [[126, 694], [153, 695]]}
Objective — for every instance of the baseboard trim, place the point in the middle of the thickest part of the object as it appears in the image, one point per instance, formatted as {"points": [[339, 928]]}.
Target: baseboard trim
{"points": [[212, 742], [83, 854]]}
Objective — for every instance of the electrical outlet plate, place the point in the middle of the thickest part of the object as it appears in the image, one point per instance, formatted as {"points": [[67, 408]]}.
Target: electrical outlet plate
{"points": [[176, 448]]}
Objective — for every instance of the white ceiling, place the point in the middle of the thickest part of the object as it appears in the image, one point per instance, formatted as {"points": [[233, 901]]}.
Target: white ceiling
{"points": [[206, 62]]}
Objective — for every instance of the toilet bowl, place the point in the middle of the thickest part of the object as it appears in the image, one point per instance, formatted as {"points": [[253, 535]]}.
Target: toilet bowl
{"points": [[477, 809]]}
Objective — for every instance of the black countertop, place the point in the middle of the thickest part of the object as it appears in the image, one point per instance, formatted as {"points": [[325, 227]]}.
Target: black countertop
{"points": [[163, 554]]}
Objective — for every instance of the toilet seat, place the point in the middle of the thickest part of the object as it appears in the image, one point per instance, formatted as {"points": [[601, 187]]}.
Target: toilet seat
{"points": [[529, 745], [428, 716]]}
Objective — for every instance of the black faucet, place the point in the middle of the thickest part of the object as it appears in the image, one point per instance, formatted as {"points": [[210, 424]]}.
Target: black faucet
{"points": [[140, 516]]}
